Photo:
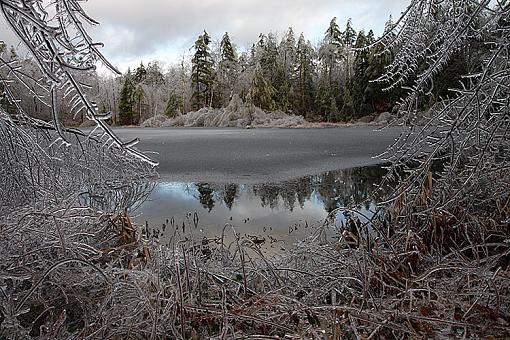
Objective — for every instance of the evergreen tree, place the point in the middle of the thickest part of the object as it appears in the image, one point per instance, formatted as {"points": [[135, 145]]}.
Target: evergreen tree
{"points": [[202, 73], [281, 87], [286, 64], [139, 77], [348, 104], [228, 53], [268, 58], [374, 97], [330, 55], [333, 34], [333, 113], [154, 74], [370, 38], [288, 52], [360, 80], [304, 70], [270, 63], [348, 40], [140, 73], [330, 52], [173, 105], [127, 99], [138, 98], [261, 93], [324, 99], [349, 35], [228, 70]]}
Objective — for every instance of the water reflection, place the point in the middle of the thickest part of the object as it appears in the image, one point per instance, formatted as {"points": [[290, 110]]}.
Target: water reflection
{"points": [[283, 212], [114, 196]]}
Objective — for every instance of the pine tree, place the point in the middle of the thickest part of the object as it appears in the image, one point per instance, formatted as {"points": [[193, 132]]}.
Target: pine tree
{"points": [[349, 35], [140, 73], [374, 97], [228, 70], [348, 40], [286, 65], [127, 99], [268, 58], [370, 38], [202, 73], [138, 98], [269, 63], [333, 113], [288, 52], [330, 55], [324, 99], [261, 93], [330, 51], [303, 73], [360, 80], [139, 77], [228, 53], [348, 104], [173, 105], [333, 34]]}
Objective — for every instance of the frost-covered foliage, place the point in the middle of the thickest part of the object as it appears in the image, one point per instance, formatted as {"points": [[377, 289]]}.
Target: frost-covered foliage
{"points": [[61, 190], [433, 263], [236, 114], [57, 220], [53, 32], [38, 176], [467, 132]]}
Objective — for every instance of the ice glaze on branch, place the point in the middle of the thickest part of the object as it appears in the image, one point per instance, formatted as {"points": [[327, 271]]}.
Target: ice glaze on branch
{"points": [[466, 132], [53, 32]]}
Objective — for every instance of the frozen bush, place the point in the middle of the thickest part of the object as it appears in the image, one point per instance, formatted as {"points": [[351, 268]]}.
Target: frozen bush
{"points": [[236, 114]]}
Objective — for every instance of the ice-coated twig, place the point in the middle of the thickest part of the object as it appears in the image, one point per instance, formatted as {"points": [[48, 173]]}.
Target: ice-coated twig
{"points": [[54, 34]]}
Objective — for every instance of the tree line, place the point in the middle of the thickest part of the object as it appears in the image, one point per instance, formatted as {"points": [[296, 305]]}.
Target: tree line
{"points": [[331, 81], [328, 82]]}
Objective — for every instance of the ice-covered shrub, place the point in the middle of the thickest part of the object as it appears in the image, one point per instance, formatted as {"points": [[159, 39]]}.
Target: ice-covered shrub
{"points": [[236, 114]]}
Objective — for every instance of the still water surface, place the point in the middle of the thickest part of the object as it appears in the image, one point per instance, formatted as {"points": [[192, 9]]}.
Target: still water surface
{"points": [[279, 213]]}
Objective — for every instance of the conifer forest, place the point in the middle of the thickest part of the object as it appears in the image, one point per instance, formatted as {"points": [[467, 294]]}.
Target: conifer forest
{"points": [[411, 244]]}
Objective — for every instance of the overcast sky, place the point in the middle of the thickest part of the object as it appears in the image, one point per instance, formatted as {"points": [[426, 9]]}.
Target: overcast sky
{"points": [[145, 30]]}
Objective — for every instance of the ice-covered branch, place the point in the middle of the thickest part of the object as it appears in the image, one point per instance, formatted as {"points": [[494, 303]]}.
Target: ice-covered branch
{"points": [[466, 134], [53, 33]]}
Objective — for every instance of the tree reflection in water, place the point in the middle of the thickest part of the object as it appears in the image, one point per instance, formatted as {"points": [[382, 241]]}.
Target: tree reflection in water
{"points": [[334, 189], [286, 211]]}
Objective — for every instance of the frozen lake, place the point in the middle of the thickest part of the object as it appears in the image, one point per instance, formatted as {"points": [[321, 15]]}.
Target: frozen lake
{"points": [[258, 155], [278, 185]]}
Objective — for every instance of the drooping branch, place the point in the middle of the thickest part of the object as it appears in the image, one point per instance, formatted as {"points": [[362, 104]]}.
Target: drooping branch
{"points": [[53, 33], [466, 133]]}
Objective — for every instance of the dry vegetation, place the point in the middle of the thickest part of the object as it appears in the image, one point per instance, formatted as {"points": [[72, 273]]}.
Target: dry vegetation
{"points": [[74, 266], [432, 262]]}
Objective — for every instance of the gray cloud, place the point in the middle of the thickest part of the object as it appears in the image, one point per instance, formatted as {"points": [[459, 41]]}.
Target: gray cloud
{"points": [[135, 30]]}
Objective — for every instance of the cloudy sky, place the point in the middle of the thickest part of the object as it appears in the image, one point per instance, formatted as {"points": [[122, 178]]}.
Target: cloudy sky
{"points": [[145, 30]]}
